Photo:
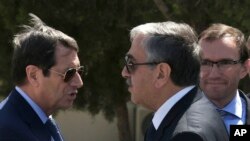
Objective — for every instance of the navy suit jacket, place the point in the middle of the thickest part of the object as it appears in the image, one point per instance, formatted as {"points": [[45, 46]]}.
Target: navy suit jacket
{"points": [[19, 122], [192, 118]]}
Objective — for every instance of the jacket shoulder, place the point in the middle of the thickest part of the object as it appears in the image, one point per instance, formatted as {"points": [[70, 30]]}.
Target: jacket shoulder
{"points": [[202, 119]]}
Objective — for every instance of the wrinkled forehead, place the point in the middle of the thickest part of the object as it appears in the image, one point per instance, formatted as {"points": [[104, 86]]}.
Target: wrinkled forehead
{"points": [[212, 38], [224, 48], [67, 56]]}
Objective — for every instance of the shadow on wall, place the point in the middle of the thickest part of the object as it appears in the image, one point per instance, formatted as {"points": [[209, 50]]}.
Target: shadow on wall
{"points": [[81, 126]]}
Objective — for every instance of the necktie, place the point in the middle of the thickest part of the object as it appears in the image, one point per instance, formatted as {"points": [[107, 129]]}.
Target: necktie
{"points": [[150, 134], [51, 125], [224, 115]]}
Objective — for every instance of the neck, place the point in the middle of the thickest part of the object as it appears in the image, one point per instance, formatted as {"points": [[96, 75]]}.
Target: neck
{"points": [[166, 94]]}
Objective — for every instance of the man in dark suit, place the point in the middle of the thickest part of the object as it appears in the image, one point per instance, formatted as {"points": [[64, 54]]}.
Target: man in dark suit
{"points": [[162, 72], [46, 73], [224, 62]]}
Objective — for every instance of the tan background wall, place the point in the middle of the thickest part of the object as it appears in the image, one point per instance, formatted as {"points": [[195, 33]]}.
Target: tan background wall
{"points": [[81, 126]]}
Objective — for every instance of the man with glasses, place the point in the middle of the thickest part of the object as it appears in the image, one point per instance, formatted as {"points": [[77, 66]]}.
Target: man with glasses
{"points": [[224, 61], [162, 72], [47, 75]]}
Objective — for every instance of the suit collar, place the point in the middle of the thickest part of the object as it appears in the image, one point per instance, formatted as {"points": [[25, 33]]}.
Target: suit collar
{"points": [[28, 115], [178, 110], [33, 104], [168, 104], [243, 95]]}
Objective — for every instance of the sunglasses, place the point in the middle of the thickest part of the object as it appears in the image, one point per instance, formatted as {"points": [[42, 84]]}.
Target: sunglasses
{"points": [[131, 67], [70, 73]]}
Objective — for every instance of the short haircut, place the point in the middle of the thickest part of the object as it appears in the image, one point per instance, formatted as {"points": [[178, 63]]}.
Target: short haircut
{"points": [[36, 45], [218, 31], [174, 43]]}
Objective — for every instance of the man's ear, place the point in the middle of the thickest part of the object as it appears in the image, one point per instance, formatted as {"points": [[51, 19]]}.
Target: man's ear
{"points": [[245, 69], [32, 73], [162, 76]]}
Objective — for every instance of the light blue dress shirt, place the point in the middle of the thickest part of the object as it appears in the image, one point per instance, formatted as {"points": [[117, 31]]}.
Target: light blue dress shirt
{"points": [[235, 112]]}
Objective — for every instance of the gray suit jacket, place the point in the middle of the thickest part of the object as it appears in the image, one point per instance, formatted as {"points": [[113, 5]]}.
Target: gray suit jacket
{"points": [[192, 118]]}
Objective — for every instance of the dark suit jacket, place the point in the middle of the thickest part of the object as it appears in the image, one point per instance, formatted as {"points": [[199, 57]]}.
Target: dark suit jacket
{"points": [[192, 118], [19, 122], [246, 98]]}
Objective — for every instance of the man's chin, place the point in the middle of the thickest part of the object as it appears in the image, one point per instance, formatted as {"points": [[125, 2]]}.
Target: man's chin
{"points": [[67, 105], [134, 101]]}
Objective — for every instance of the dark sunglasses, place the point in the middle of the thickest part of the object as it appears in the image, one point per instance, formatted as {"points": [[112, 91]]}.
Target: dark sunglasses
{"points": [[130, 66], [70, 73]]}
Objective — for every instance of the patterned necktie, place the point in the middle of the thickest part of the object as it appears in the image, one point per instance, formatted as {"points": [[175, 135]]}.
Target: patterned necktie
{"points": [[55, 133], [150, 134], [223, 115]]}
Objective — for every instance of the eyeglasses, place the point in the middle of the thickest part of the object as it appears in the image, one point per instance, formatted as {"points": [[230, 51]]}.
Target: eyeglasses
{"points": [[130, 66], [69, 74], [207, 65]]}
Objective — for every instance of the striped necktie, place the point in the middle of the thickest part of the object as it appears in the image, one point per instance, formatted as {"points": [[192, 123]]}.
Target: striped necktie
{"points": [[55, 133]]}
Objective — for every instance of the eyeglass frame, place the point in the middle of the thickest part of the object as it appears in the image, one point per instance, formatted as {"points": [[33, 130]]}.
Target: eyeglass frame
{"points": [[219, 64], [83, 68], [131, 66]]}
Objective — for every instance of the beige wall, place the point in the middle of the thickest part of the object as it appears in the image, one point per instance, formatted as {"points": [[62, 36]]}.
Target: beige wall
{"points": [[81, 126]]}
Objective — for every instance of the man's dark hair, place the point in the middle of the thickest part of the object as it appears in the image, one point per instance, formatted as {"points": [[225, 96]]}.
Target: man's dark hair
{"points": [[36, 45]]}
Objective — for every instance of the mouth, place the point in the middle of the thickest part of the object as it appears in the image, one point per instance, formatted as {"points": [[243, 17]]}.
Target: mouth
{"points": [[73, 94], [215, 82], [215, 86]]}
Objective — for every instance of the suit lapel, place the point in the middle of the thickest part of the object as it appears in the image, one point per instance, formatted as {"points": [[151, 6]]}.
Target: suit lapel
{"points": [[29, 116], [177, 111], [243, 95]]}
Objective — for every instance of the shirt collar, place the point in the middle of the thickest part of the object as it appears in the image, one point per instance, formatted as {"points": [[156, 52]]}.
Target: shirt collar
{"points": [[235, 106]]}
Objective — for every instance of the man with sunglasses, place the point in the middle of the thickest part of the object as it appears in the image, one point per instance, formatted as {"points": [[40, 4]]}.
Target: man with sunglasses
{"points": [[162, 72], [224, 62], [47, 73]]}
